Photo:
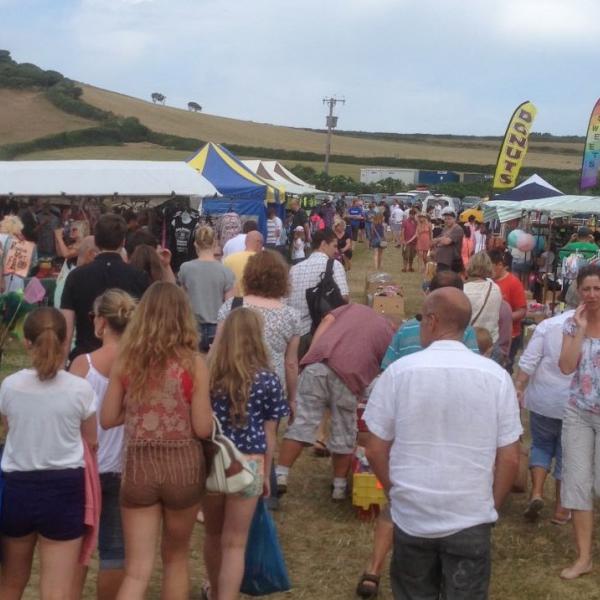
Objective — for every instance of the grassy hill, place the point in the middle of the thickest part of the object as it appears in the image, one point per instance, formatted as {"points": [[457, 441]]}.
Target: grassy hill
{"points": [[27, 115]]}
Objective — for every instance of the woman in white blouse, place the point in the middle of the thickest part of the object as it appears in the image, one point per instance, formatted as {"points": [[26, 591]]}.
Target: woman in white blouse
{"points": [[485, 296]]}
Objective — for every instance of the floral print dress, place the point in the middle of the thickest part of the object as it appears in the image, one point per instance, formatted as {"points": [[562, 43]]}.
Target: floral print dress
{"points": [[585, 386]]}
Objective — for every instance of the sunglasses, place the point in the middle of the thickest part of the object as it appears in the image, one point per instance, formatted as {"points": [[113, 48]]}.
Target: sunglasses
{"points": [[420, 317], [91, 316]]}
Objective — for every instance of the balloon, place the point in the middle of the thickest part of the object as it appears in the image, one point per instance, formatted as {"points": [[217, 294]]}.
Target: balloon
{"points": [[525, 242], [512, 238]]}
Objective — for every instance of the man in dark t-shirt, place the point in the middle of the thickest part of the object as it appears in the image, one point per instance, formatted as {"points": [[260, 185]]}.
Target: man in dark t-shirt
{"points": [[448, 246], [84, 284]]}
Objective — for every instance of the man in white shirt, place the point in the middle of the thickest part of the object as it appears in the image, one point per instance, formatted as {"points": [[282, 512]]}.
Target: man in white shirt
{"points": [[308, 273], [238, 242], [446, 453], [396, 217]]}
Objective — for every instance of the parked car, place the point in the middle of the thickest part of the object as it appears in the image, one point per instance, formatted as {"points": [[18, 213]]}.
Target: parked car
{"points": [[443, 201], [471, 202]]}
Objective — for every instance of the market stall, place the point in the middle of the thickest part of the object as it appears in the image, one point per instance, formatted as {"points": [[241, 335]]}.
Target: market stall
{"points": [[243, 191]]}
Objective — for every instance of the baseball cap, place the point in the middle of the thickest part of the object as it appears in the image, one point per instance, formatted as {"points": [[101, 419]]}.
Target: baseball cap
{"points": [[299, 228], [448, 211], [584, 231]]}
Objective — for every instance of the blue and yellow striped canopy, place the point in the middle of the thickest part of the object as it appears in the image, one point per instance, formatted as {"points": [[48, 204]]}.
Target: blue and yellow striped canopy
{"points": [[231, 177]]}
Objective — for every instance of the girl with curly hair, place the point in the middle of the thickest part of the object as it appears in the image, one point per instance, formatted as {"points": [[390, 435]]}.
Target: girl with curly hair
{"points": [[158, 389]]}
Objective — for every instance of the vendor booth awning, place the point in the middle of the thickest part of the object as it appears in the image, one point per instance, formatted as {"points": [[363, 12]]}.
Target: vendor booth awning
{"points": [[274, 172], [508, 206], [102, 178], [564, 206], [230, 176]]}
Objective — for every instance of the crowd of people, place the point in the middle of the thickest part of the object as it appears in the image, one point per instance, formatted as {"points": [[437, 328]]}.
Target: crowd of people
{"points": [[139, 360]]}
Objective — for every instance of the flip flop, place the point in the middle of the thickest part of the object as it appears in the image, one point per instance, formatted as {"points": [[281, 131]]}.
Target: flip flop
{"points": [[368, 586], [560, 521]]}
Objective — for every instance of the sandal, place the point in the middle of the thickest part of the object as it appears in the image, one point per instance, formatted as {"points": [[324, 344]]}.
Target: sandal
{"points": [[320, 449], [560, 520], [368, 586], [532, 512]]}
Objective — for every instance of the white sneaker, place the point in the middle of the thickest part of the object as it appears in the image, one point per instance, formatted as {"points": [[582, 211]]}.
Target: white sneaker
{"points": [[339, 493], [282, 481]]}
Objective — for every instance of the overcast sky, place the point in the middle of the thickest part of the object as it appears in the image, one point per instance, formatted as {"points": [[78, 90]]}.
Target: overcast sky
{"points": [[428, 66]]}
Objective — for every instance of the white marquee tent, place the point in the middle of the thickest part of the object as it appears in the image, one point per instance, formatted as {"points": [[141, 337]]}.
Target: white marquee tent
{"points": [[102, 178], [274, 172]]}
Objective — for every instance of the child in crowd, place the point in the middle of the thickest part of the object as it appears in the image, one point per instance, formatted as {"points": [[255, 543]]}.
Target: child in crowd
{"points": [[298, 245], [158, 389], [377, 239], [112, 312], [247, 399], [47, 412], [484, 341], [423, 239]]}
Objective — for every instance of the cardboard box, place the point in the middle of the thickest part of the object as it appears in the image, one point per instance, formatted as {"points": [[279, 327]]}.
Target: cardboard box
{"points": [[391, 307]]}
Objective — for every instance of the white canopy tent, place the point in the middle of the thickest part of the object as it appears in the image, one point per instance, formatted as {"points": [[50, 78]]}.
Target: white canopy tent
{"points": [[275, 173], [102, 178], [563, 206]]}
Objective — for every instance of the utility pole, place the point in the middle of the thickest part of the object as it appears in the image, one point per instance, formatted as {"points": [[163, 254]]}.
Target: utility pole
{"points": [[331, 125]]}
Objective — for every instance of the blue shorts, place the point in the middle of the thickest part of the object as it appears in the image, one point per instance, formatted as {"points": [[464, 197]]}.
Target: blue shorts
{"points": [[111, 548], [50, 503], [545, 443]]}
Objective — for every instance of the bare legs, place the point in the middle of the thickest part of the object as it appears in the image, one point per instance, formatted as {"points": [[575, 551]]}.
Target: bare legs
{"points": [[58, 564], [141, 528], [377, 258], [228, 521], [290, 450], [583, 522]]}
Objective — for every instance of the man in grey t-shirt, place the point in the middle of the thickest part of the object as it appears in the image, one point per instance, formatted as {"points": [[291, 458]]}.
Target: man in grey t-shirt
{"points": [[448, 246], [208, 284]]}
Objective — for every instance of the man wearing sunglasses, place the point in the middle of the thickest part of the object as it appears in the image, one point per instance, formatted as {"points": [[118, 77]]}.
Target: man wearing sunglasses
{"points": [[444, 426]]}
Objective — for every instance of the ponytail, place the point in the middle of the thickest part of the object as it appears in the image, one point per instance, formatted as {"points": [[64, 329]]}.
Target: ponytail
{"points": [[46, 330]]}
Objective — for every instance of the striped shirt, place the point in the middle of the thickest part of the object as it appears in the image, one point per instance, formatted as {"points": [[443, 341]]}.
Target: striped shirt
{"points": [[407, 340]]}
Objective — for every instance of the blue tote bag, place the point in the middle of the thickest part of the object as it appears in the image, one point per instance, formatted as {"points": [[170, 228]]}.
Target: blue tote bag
{"points": [[265, 571]]}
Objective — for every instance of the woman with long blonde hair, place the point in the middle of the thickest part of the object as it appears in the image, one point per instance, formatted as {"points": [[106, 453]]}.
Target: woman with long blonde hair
{"points": [[158, 389], [247, 399]]}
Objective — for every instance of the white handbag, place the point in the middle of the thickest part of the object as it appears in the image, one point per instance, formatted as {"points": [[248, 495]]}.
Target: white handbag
{"points": [[230, 472]]}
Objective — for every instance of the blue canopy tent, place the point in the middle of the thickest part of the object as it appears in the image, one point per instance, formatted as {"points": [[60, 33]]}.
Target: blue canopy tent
{"points": [[507, 206], [243, 191]]}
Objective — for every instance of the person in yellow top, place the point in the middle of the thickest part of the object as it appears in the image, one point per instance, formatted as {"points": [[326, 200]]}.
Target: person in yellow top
{"points": [[237, 261]]}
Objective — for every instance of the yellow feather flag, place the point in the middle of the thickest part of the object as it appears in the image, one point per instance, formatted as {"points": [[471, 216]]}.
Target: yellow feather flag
{"points": [[513, 150]]}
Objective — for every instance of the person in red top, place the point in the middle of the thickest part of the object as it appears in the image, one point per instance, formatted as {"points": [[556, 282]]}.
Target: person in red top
{"points": [[336, 372], [409, 239], [513, 293]]}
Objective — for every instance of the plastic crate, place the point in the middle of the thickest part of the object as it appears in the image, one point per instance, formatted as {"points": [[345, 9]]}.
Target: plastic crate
{"points": [[367, 491]]}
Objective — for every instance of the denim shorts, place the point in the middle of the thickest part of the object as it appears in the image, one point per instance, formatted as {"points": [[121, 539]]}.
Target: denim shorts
{"points": [[545, 443], [111, 547], [50, 503]]}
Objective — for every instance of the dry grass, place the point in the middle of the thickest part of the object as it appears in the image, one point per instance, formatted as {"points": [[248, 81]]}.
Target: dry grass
{"points": [[326, 547], [220, 129], [26, 115]]}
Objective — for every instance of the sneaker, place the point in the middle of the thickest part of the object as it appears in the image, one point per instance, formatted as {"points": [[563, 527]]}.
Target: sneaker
{"points": [[282, 481], [339, 493]]}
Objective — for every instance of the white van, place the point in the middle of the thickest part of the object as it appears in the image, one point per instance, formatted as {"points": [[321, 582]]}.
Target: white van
{"points": [[443, 201]]}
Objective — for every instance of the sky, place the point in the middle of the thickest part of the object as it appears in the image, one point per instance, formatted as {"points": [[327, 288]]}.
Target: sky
{"points": [[406, 66]]}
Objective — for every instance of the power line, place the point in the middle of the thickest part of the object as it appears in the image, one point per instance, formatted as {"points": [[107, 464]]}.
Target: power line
{"points": [[331, 123]]}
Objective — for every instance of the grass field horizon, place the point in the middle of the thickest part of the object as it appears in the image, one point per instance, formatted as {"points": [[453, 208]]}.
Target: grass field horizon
{"points": [[27, 115]]}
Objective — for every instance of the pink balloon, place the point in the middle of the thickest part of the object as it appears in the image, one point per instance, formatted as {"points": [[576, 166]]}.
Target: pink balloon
{"points": [[525, 242]]}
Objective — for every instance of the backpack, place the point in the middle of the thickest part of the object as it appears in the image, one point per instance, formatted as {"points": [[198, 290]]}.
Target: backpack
{"points": [[323, 297]]}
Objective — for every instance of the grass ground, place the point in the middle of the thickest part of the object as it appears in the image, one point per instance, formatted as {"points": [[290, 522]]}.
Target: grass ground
{"points": [[326, 547]]}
